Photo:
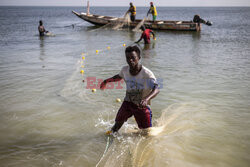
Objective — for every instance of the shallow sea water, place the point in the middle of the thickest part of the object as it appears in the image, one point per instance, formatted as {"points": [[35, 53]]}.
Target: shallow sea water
{"points": [[50, 118]]}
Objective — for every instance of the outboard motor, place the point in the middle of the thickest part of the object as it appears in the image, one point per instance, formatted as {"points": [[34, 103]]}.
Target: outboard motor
{"points": [[198, 19], [209, 23]]}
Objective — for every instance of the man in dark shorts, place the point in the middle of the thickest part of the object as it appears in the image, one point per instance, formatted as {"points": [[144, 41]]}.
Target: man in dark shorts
{"points": [[132, 10], [146, 35], [41, 29], [141, 87]]}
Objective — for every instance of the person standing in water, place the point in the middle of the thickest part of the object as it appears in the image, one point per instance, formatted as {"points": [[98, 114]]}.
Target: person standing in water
{"points": [[153, 11], [132, 10], [41, 29], [141, 87], [146, 35]]}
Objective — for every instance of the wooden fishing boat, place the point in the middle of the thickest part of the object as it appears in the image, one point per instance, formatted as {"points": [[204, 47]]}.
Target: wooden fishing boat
{"points": [[155, 25]]}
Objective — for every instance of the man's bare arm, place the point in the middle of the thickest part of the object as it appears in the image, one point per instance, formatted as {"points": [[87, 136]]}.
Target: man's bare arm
{"points": [[155, 91], [112, 79]]}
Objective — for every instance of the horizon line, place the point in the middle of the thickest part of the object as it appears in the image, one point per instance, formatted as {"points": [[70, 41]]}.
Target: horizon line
{"points": [[106, 6]]}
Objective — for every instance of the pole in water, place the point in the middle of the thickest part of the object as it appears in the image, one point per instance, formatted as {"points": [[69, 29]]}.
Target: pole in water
{"points": [[88, 8]]}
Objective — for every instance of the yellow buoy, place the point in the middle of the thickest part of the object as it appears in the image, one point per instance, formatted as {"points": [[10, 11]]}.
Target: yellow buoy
{"points": [[82, 71], [93, 90], [118, 100], [108, 47], [97, 51], [124, 44], [83, 57]]}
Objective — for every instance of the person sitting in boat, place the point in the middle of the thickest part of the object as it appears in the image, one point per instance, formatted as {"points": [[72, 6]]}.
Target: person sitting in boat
{"points": [[142, 86], [132, 10], [146, 35], [41, 28], [153, 11]]}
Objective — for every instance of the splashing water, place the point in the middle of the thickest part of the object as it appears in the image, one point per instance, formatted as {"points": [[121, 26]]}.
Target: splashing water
{"points": [[161, 144]]}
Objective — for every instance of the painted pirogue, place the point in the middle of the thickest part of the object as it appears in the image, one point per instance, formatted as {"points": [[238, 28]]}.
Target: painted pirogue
{"points": [[155, 25]]}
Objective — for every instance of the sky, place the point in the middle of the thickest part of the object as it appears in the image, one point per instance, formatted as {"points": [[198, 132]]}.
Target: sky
{"points": [[124, 2]]}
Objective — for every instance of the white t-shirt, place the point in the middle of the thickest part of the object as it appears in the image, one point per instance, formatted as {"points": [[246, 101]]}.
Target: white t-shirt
{"points": [[138, 86]]}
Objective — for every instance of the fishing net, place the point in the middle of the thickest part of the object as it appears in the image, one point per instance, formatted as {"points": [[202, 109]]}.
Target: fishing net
{"points": [[119, 24]]}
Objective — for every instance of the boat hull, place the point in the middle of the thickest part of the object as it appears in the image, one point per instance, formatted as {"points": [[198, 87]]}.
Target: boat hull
{"points": [[155, 25]]}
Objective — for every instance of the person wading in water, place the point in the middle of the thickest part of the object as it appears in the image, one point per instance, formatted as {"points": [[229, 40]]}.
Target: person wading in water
{"points": [[41, 29]]}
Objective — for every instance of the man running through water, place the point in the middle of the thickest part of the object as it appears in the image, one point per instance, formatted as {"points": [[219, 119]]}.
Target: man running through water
{"points": [[141, 87], [146, 35]]}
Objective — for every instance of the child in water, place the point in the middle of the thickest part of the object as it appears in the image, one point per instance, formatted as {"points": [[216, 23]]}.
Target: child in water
{"points": [[141, 87]]}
